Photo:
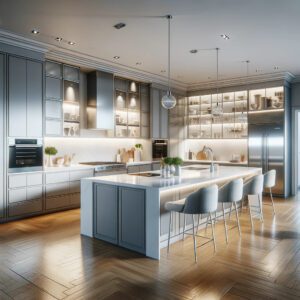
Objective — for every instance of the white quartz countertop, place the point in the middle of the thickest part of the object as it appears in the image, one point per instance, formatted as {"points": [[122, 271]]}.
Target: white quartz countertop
{"points": [[223, 162], [191, 175], [143, 162]]}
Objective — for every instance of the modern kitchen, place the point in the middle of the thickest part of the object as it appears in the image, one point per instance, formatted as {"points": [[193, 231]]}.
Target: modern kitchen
{"points": [[149, 162]]}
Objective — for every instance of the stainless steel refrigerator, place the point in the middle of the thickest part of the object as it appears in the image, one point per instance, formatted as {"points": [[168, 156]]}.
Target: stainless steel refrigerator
{"points": [[267, 149]]}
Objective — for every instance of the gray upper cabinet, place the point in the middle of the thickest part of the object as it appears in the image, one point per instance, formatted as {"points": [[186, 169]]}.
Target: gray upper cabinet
{"points": [[71, 73], [2, 135], [159, 116], [53, 88], [17, 97], [34, 99], [53, 69], [25, 98]]}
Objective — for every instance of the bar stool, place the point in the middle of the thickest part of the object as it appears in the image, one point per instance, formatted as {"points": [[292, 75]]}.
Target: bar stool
{"points": [[269, 182], [231, 192], [255, 187], [203, 201]]}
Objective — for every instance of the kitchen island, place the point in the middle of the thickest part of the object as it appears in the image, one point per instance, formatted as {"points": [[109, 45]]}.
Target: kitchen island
{"points": [[128, 209]]}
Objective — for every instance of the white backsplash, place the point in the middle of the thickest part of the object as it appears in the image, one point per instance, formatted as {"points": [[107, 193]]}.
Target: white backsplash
{"points": [[96, 149], [223, 149]]}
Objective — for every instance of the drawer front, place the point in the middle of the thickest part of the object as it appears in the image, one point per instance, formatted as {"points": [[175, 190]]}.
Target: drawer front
{"points": [[25, 207], [75, 199], [74, 187], [34, 179], [54, 190], [17, 195], [16, 181], [57, 202], [57, 177], [77, 175], [34, 193], [156, 166]]}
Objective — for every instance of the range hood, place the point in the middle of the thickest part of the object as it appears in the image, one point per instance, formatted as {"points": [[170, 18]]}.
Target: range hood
{"points": [[100, 100]]}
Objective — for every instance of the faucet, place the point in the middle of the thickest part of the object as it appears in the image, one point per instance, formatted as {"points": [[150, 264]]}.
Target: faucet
{"points": [[211, 153]]}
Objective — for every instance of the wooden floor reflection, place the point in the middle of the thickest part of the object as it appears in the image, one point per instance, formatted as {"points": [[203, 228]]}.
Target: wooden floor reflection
{"points": [[46, 258]]}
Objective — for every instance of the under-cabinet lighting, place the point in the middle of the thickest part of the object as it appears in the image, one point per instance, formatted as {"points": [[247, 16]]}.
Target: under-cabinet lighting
{"points": [[265, 111]]}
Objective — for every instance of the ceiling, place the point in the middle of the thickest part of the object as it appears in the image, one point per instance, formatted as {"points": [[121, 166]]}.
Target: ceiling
{"points": [[266, 32]]}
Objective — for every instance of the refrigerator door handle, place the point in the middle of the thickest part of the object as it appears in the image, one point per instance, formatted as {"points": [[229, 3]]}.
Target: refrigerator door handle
{"points": [[267, 153]]}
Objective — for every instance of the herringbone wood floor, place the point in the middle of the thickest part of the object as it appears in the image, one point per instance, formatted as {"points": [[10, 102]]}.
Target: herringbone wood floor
{"points": [[46, 258]]}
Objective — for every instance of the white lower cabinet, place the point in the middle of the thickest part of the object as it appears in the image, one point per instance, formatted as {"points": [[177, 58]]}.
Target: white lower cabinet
{"points": [[57, 190]]}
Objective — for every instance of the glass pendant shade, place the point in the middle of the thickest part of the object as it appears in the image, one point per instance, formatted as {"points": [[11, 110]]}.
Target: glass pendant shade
{"points": [[217, 111], [168, 101]]}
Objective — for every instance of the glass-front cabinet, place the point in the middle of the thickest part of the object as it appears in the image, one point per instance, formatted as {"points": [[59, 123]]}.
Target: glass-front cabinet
{"points": [[231, 123], [131, 109]]}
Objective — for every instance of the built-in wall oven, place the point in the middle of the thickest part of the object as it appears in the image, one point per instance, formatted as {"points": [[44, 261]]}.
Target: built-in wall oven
{"points": [[159, 149], [25, 155]]}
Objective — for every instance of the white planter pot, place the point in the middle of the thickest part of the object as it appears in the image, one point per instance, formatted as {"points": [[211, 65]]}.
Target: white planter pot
{"points": [[137, 155], [177, 170]]}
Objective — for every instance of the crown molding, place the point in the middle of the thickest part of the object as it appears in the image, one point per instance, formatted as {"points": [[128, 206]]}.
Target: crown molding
{"points": [[284, 76], [83, 60]]}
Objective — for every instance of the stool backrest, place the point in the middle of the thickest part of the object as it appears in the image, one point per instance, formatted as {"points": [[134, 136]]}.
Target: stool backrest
{"points": [[232, 191], [255, 186], [204, 200], [270, 179]]}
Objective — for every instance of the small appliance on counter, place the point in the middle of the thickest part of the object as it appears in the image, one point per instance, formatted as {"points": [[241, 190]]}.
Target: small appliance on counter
{"points": [[159, 149], [25, 155]]}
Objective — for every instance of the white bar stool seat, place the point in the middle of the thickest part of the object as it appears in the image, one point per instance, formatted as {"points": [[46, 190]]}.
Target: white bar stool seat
{"points": [[269, 182]]}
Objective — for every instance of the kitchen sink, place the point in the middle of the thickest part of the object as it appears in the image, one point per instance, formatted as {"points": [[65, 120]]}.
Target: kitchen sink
{"points": [[195, 168]]}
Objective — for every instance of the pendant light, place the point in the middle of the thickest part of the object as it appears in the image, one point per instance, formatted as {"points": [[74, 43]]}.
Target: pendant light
{"points": [[217, 111], [168, 101]]}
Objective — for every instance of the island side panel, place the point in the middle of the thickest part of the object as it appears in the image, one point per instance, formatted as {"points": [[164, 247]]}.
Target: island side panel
{"points": [[153, 223], [86, 211]]}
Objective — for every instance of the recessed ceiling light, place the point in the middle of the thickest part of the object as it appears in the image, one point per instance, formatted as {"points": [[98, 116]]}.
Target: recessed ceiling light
{"points": [[138, 63], [35, 31], [71, 43], [116, 57], [276, 67], [225, 36], [193, 51], [120, 25], [58, 39]]}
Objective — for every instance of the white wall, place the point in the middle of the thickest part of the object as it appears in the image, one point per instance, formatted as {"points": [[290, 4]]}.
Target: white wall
{"points": [[223, 149], [96, 149]]}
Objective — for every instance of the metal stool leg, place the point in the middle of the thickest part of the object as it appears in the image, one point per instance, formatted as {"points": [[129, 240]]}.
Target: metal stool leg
{"points": [[199, 216], [260, 208], [194, 238], [225, 226], [272, 201], [250, 212], [170, 222], [183, 226], [213, 232], [206, 224], [237, 218], [230, 211]]}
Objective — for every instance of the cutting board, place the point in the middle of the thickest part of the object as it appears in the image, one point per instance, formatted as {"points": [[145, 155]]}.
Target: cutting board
{"points": [[201, 155]]}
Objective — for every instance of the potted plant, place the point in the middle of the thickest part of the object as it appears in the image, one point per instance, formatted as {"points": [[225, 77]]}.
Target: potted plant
{"points": [[50, 151], [177, 162], [138, 152]]}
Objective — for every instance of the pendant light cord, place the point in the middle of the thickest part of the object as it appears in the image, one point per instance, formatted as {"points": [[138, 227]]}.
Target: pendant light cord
{"points": [[169, 17], [217, 49]]}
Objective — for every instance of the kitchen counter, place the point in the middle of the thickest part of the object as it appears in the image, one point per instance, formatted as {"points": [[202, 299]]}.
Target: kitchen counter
{"points": [[75, 167], [134, 205], [137, 163]]}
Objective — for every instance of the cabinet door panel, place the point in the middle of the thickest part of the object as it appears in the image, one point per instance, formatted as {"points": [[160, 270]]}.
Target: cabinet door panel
{"points": [[53, 109], [53, 88], [34, 99], [2, 135], [132, 219], [155, 114], [17, 195], [58, 189], [34, 179], [17, 181], [164, 121], [17, 97], [25, 208], [57, 202], [35, 192], [53, 69], [106, 212], [53, 128], [56, 177]]}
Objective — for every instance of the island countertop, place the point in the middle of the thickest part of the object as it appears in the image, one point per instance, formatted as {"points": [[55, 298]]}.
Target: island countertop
{"points": [[191, 175]]}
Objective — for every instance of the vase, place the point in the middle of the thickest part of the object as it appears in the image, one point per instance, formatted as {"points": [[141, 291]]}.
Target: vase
{"points": [[49, 161], [172, 169], [137, 155], [178, 171]]}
